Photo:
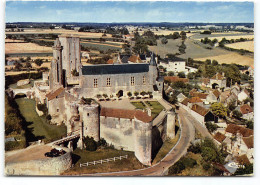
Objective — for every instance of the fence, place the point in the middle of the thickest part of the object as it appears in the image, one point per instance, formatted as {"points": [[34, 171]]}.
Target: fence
{"points": [[103, 161]]}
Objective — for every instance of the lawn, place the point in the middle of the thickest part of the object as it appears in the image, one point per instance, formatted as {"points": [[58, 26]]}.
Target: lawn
{"points": [[155, 106], [83, 156], [139, 105], [37, 125]]}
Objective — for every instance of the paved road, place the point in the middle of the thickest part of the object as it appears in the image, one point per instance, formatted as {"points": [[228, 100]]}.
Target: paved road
{"points": [[187, 135], [203, 130]]}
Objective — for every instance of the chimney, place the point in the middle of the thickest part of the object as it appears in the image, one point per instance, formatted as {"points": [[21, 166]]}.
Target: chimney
{"points": [[149, 112]]}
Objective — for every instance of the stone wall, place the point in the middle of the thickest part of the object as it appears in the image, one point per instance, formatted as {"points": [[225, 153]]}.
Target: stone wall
{"points": [[56, 109], [118, 131], [118, 82], [47, 166]]}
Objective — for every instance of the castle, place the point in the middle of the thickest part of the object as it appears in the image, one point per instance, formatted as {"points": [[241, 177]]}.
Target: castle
{"points": [[132, 130]]}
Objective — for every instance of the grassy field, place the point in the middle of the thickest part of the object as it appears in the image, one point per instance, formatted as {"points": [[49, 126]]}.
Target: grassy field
{"points": [[248, 45], [219, 36], [139, 105], [83, 156], [38, 125], [198, 52]]}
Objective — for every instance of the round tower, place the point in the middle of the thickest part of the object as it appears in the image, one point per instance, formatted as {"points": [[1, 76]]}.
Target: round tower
{"points": [[90, 119]]}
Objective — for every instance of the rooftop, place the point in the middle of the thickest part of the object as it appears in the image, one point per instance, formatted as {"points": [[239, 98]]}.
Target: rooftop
{"points": [[219, 137], [54, 94], [114, 69], [249, 141], [234, 129], [245, 109], [199, 109]]}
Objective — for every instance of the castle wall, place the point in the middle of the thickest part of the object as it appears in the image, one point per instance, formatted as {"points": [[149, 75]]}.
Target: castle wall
{"points": [[143, 141], [56, 109], [118, 132], [118, 82], [47, 166], [90, 118]]}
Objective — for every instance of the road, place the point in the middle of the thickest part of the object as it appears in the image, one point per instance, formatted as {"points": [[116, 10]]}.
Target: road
{"points": [[203, 130], [180, 149]]}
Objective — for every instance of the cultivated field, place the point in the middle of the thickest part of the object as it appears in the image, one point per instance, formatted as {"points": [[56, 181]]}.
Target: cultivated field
{"points": [[198, 52], [61, 31], [230, 58], [26, 48], [248, 45], [219, 36]]}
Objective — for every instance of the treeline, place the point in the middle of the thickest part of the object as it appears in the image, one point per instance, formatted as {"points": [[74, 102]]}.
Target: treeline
{"points": [[14, 125], [15, 78]]}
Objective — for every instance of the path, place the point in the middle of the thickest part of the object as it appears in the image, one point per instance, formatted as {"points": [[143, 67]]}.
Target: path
{"points": [[180, 149]]}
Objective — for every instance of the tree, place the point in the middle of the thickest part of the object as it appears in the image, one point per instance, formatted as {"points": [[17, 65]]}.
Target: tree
{"points": [[176, 35], [211, 126], [208, 62], [191, 75], [173, 99], [90, 143], [183, 35], [237, 114], [181, 75], [74, 72], [170, 73], [136, 93], [28, 65], [214, 63], [38, 62], [28, 59], [182, 48], [17, 66], [129, 94], [164, 41], [143, 93], [219, 110]]}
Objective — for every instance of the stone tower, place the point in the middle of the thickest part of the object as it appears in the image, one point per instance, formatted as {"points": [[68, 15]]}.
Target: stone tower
{"points": [[56, 72], [71, 58], [153, 69]]}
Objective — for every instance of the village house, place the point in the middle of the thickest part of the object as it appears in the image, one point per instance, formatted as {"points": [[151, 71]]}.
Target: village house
{"points": [[175, 64], [247, 111], [218, 81], [213, 96], [244, 94], [202, 114]]}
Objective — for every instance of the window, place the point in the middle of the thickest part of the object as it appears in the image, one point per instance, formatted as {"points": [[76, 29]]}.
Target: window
{"points": [[87, 114], [108, 82], [132, 80], [143, 79], [95, 82], [58, 110]]}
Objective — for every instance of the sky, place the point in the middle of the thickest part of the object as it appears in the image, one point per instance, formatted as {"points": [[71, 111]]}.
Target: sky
{"points": [[129, 11]]}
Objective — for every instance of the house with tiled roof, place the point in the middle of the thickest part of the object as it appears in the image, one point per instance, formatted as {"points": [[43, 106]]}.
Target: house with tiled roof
{"points": [[213, 96], [218, 81], [202, 114], [174, 64], [247, 111], [222, 139], [233, 129], [244, 94]]}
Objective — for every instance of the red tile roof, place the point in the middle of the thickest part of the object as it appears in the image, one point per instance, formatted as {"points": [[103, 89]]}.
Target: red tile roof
{"points": [[134, 59], [195, 100], [128, 114], [232, 128], [110, 61], [218, 76], [199, 109], [216, 93], [185, 101], [200, 95], [54, 94], [176, 79], [243, 159], [249, 141], [219, 137], [245, 109]]}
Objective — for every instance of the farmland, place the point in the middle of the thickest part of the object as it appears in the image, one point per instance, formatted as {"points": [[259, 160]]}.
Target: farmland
{"points": [[248, 45], [11, 48]]}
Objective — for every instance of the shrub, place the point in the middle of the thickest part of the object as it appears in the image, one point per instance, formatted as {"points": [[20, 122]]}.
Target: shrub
{"points": [[102, 142], [194, 148], [211, 126], [90, 143], [129, 94], [136, 93], [48, 117]]}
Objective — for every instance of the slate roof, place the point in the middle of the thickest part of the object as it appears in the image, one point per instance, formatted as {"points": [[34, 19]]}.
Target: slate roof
{"points": [[54, 94], [114, 69], [232, 128], [128, 114]]}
